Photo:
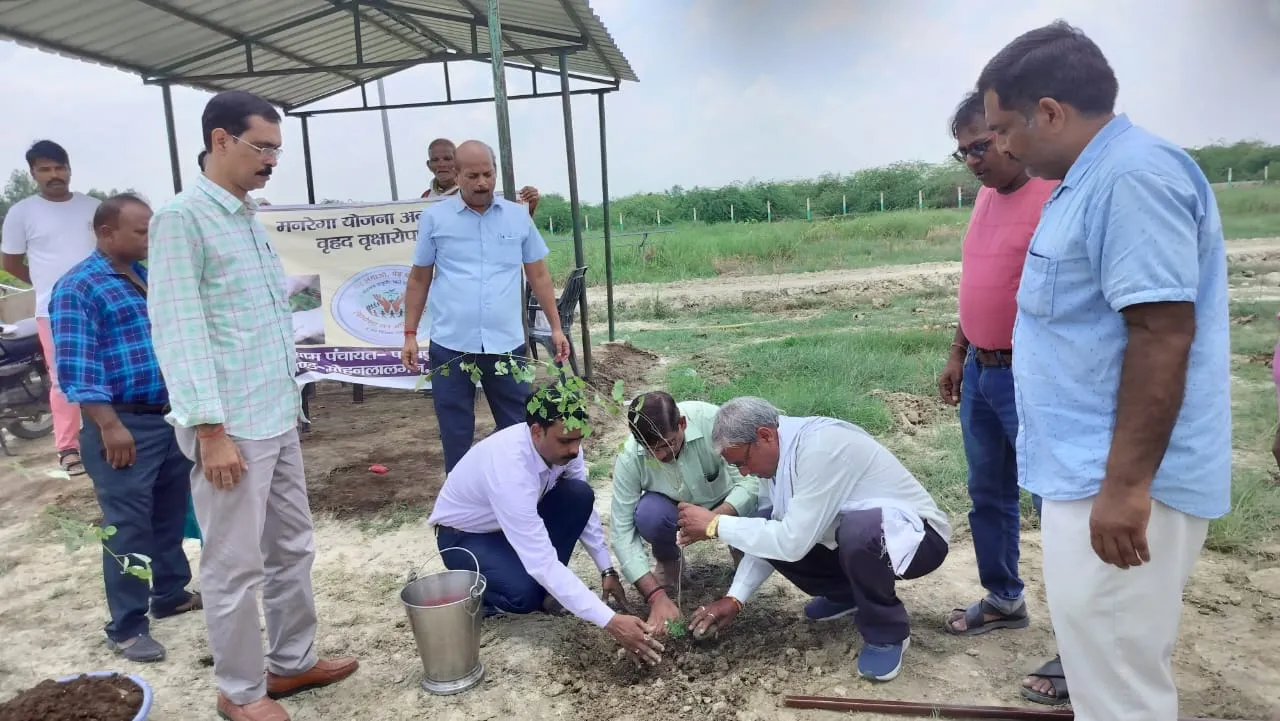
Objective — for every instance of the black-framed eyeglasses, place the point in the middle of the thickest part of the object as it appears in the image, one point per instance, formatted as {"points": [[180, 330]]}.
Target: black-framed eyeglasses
{"points": [[977, 149]]}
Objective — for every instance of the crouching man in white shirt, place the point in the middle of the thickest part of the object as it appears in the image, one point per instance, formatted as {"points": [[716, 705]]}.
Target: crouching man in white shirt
{"points": [[842, 520], [519, 501]]}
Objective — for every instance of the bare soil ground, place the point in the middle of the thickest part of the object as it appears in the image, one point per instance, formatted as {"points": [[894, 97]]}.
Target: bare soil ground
{"points": [[370, 537]]}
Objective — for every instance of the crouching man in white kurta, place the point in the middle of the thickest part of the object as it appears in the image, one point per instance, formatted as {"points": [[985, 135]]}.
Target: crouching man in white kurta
{"points": [[841, 518]]}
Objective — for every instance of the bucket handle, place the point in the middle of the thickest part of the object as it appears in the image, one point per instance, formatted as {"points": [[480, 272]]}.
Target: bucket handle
{"points": [[474, 593]]}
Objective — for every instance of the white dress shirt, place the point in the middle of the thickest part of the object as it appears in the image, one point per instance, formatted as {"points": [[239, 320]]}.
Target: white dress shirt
{"points": [[496, 487], [836, 467]]}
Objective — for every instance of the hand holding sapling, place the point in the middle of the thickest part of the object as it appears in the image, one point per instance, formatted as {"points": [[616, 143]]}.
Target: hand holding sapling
{"points": [[636, 637], [664, 613], [714, 617]]}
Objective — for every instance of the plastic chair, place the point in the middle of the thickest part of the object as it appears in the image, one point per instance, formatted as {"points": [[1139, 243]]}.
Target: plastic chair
{"points": [[566, 307]]}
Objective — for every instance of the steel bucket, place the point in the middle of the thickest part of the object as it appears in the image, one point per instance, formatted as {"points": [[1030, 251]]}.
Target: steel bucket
{"points": [[445, 611]]}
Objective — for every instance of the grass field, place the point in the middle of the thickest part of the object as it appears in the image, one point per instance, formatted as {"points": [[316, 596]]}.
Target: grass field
{"points": [[875, 362], [705, 251]]}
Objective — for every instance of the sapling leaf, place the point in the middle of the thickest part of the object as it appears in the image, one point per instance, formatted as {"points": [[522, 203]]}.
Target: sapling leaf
{"points": [[109, 531], [676, 628], [422, 381], [617, 391], [141, 557], [443, 370]]}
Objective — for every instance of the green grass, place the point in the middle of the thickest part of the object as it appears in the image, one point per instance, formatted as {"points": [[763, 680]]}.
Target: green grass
{"points": [[698, 250], [831, 361]]}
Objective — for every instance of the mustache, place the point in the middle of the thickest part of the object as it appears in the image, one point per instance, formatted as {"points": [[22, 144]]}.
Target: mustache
{"points": [[265, 172]]}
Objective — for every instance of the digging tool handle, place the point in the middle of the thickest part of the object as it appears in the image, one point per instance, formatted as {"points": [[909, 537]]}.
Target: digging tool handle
{"points": [[928, 710]]}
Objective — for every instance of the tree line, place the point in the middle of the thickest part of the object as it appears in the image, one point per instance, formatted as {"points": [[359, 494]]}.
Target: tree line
{"points": [[901, 186]]}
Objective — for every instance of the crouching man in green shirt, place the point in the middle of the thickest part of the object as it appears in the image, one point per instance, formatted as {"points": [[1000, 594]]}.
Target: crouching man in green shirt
{"points": [[668, 460]]}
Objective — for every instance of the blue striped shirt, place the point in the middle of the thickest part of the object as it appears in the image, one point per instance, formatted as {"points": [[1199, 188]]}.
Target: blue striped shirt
{"points": [[102, 336]]}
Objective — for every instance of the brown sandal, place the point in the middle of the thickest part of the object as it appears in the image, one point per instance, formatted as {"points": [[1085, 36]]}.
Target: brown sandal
{"points": [[70, 461]]}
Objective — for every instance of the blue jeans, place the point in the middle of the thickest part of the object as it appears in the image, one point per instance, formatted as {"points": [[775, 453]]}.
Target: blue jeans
{"points": [[454, 397], [147, 503], [989, 424], [565, 511]]}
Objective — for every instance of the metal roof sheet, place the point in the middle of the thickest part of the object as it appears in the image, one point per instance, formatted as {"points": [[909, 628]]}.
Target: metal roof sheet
{"points": [[308, 47]]}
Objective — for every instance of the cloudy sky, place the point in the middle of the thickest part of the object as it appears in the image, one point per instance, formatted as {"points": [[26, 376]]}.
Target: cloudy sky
{"points": [[730, 90]]}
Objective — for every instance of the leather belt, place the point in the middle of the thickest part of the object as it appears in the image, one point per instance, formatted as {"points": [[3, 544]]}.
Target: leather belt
{"points": [[146, 409], [993, 358]]}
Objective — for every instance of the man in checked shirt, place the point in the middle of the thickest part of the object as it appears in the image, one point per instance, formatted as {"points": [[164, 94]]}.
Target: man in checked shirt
{"points": [[98, 316], [223, 334]]}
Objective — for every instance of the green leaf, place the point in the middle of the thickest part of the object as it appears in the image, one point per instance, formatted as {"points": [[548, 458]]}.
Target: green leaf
{"points": [[443, 370], [617, 391], [109, 531], [532, 406], [418, 384], [141, 557]]}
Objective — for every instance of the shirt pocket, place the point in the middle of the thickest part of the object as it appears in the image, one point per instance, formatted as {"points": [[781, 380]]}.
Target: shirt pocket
{"points": [[1035, 291]]}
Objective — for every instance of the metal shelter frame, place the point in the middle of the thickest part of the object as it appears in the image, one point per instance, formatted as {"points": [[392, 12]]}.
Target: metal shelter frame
{"points": [[296, 53]]}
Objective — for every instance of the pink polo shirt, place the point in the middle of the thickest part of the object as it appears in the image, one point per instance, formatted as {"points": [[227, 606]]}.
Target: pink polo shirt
{"points": [[991, 260]]}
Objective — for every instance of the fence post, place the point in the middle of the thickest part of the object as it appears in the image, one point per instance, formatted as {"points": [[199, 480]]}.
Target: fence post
{"points": [[551, 225], [695, 215], [844, 205], [586, 220], [621, 222], [882, 201], [1228, 176], [959, 196], [920, 199], [659, 217], [768, 209], [731, 220], [808, 211]]}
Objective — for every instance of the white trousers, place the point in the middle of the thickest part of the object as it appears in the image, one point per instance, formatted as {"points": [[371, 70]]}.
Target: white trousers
{"points": [[1116, 628]]}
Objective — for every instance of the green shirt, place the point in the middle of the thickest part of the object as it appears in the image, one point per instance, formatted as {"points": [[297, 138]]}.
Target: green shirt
{"points": [[699, 476], [220, 321]]}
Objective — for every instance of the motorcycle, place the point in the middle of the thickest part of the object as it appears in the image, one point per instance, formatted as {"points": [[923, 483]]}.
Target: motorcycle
{"points": [[24, 384]]}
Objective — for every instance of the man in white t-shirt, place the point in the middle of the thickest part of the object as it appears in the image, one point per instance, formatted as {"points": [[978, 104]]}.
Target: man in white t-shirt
{"points": [[43, 237]]}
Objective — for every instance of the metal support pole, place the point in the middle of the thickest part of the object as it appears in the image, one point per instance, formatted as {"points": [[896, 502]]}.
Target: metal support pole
{"points": [[566, 102], [500, 102], [608, 234], [175, 165], [386, 140], [306, 161]]}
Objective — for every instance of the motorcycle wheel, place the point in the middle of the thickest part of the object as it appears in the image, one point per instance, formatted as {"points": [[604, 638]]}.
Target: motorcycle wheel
{"points": [[31, 429]]}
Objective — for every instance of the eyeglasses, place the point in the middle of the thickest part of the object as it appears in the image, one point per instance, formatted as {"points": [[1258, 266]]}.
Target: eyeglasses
{"points": [[266, 153], [977, 149], [746, 459]]}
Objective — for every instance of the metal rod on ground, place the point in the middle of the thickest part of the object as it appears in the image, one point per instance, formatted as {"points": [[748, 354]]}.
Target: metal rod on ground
{"points": [[175, 165], [386, 140], [566, 107], [608, 235], [929, 710]]}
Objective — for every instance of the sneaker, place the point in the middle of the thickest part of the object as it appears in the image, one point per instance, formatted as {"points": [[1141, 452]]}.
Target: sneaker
{"points": [[882, 661], [824, 609], [142, 649]]}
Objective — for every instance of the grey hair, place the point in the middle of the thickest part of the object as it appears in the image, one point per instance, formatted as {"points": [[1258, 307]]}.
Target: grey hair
{"points": [[738, 420]]}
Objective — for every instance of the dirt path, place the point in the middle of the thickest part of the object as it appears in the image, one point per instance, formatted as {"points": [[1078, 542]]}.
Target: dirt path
{"points": [[885, 280]]}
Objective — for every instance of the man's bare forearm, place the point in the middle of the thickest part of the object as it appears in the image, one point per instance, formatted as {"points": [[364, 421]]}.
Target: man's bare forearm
{"points": [[16, 266], [102, 414], [415, 295], [540, 281], [1153, 379], [646, 585], [959, 344]]}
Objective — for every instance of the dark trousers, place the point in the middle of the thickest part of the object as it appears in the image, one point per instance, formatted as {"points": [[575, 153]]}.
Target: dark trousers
{"points": [[565, 511], [147, 503], [989, 426], [858, 571], [454, 397]]}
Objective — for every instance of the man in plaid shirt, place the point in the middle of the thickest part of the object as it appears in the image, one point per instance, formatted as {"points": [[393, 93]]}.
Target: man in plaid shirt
{"points": [[223, 334], [102, 334]]}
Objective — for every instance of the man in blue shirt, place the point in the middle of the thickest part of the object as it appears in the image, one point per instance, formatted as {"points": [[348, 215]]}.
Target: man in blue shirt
{"points": [[471, 249], [1121, 367], [106, 363]]}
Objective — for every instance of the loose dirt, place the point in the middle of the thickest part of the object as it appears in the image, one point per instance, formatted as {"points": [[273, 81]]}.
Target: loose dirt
{"points": [[113, 698]]}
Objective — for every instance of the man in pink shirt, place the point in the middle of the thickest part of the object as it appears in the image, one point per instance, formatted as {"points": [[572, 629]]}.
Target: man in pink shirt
{"points": [[979, 377], [519, 501]]}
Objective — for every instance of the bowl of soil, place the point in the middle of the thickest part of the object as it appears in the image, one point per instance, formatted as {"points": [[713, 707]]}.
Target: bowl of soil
{"points": [[100, 696]]}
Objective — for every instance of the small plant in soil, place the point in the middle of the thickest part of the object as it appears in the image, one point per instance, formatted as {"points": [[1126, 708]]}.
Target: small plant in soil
{"points": [[676, 628], [77, 534]]}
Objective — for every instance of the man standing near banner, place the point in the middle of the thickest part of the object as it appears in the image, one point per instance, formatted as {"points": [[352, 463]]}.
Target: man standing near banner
{"points": [[473, 247], [442, 162]]}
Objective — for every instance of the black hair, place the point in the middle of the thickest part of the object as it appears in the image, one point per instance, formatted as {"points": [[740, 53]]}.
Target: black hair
{"points": [[1055, 61], [969, 110], [541, 409], [652, 416], [108, 212], [47, 150], [231, 110], [200, 159]]}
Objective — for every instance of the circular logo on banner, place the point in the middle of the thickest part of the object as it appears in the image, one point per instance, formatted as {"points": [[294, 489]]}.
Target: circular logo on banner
{"points": [[370, 305]]}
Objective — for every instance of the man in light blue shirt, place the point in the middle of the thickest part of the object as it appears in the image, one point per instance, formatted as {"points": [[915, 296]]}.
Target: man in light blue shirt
{"points": [[471, 249], [1121, 366]]}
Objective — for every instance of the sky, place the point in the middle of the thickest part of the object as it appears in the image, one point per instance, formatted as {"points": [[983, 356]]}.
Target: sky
{"points": [[730, 90]]}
